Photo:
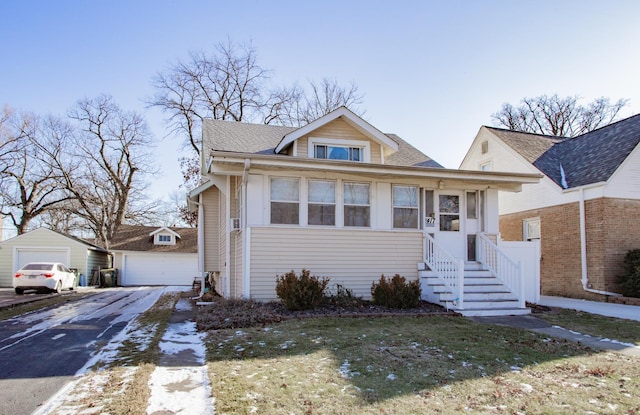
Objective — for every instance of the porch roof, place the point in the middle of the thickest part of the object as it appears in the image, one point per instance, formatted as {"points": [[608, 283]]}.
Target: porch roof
{"points": [[238, 164]]}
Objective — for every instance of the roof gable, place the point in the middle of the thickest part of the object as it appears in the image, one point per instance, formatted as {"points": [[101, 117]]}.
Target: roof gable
{"points": [[164, 229], [343, 112], [237, 137], [75, 239], [590, 158]]}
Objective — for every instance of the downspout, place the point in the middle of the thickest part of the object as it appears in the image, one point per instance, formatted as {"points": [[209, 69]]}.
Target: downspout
{"points": [[583, 250], [200, 242], [245, 236]]}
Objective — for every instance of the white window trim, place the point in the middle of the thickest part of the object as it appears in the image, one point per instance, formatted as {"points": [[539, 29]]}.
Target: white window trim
{"points": [[525, 229], [157, 240], [370, 204], [488, 163], [302, 194], [364, 145], [393, 206], [335, 202]]}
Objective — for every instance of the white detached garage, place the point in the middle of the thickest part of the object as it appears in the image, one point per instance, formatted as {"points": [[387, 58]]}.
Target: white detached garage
{"points": [[147, 255], [45, 245]]}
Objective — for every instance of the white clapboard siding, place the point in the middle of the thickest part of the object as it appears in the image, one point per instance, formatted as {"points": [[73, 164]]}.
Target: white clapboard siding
{"points": [[351, 257]]}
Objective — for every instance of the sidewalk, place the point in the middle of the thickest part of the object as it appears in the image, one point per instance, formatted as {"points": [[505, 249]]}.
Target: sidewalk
{"points": [[629, 312], [532, 323]]}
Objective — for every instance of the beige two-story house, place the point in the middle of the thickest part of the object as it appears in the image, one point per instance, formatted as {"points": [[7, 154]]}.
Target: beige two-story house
{"points": [[342, 199]]}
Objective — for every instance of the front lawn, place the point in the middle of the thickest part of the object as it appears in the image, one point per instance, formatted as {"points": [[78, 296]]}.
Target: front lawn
{"points": [[412, 365]]}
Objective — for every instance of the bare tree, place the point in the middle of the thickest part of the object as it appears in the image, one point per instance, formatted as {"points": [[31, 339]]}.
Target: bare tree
{"points": [[297, 106], [103, 166], [230, 85], [558, 116], [30, 186], [227, 85]]}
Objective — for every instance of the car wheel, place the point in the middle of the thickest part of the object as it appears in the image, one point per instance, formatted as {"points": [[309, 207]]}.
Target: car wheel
{"points": [[58, 288], [19, 291]]}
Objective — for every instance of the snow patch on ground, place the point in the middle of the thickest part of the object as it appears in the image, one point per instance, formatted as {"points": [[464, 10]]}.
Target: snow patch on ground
{"points": [[185, 389]]}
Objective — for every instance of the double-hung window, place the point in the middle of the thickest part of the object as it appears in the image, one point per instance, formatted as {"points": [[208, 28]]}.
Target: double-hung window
{"points": [[405, 207], [322, 202], [357, 205], [285, 201]]}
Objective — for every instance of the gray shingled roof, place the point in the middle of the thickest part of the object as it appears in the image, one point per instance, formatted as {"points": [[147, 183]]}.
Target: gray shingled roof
{"points": [[136, 238], [262, 139], [528, 145], [589, 158]]}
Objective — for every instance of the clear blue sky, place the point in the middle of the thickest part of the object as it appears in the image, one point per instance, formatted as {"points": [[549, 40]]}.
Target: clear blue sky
{"points": [[431, 72]]}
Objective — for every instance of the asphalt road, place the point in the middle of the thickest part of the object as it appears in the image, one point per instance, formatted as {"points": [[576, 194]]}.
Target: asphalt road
{"points": [[41, 351]]}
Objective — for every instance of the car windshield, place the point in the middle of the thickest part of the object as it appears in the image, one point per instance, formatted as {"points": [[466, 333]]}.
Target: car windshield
{"points": [[38, 267]]}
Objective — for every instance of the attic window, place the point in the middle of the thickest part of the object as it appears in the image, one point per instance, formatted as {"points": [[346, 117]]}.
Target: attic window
{"points": [[338, 153], [334, 149], [485, 147], [164, 239]]}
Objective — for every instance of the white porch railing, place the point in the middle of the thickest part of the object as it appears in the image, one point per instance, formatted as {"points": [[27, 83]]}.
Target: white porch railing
{"points": [[447, 268], [501, 266]]}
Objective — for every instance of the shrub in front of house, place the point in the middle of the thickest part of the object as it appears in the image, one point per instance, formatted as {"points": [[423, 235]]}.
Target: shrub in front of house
{"points": [[303, 292], [344, 297], [396, 292], [630, 280]]}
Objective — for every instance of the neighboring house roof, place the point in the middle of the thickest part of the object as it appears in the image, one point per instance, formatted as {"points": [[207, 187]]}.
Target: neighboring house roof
{"points": [[572, 162], [240, 137], [88, 244], [140, 238]]}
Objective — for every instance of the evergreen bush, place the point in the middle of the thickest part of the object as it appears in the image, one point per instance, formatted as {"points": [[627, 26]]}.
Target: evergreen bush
{"points": [[396, 292], [630, 280], [304, 292]]}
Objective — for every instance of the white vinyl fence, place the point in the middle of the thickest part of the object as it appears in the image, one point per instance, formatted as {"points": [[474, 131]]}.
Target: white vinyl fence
{"points": [[528, 254]]}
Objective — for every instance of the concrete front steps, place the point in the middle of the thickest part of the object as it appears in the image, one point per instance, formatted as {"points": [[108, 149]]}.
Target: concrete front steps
{"points": [[484, 295]]}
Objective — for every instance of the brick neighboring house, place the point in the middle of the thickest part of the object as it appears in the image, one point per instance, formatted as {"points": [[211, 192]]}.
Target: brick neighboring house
{"points": [[586, 209]]}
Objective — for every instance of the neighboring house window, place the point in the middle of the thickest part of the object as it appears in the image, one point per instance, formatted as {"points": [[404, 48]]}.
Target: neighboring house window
{"points": [[285, 201], [322, 202], [164, 238], [485, 147], [486, 166], [357, 209], [338, 153], [531, 229], [449, 206], [405, 206]]}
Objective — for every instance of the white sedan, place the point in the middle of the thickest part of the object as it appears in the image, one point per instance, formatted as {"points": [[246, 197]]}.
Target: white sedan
{"points": [[43, 276]]}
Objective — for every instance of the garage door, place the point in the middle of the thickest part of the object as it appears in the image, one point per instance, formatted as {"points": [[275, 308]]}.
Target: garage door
{"points": [[160, 269], [26, 255]]}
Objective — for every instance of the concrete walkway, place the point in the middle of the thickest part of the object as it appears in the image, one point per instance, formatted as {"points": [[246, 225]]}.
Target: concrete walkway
{"points": [[629, 312], [532, 323]]}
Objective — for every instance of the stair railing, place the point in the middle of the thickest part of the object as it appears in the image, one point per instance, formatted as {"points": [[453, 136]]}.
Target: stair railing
{"points": [[501, 266], [448, 269]]}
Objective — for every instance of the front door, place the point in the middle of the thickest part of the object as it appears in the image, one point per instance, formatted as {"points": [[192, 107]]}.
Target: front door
{"points": [[449, 222]]}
